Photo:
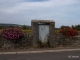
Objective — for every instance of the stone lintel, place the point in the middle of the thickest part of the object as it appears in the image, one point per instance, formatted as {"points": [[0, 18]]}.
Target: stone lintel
{"points": [[42, 21]]}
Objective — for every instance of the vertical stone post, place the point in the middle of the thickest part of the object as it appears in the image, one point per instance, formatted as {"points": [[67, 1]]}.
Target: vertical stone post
{"points": [[51, 34], [35, 34]]}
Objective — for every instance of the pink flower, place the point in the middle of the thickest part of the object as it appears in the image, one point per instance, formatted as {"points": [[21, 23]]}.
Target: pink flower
{"points": [[12, 33]]}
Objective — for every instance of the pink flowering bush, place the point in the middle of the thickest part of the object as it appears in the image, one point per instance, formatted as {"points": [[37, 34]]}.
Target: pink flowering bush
{"points": [[12, 33]]}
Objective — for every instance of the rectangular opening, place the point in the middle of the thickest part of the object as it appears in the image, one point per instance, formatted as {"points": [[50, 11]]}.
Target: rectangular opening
{"points": [[43, 32]]}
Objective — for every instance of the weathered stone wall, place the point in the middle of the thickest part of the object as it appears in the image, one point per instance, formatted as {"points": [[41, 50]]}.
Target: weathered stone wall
{"points": [[63, 41], [25, 42], [32, 40]]}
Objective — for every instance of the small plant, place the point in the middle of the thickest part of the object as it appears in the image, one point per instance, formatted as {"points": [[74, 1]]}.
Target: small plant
{"points": [[40, 44], [12, 33], [43, 44]]}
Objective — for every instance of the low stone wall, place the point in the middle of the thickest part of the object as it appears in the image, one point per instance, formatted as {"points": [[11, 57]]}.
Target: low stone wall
{"points": [[27, 40], [64, 41]]}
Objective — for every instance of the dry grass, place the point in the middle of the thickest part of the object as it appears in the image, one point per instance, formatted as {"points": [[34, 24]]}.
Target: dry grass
{"points": [[27, 31]]}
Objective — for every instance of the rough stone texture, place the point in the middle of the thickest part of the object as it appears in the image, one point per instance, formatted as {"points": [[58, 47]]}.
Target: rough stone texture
{"points": [[35, 34], [52, 33], [35, 30], [42, 21], [25, 42]]}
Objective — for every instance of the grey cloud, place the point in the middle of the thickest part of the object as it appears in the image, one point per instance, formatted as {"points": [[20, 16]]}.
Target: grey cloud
{"points": [[22, 12]]}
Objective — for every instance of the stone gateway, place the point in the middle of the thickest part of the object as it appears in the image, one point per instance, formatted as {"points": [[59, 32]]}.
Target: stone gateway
{"points": [[43, 30]]}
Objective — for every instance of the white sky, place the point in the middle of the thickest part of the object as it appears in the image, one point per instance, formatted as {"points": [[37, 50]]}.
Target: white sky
{"points": [[63, 12]]}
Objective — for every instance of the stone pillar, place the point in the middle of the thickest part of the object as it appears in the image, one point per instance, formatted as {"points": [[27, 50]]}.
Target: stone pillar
{"points": [[35, 33], [51, 33]]}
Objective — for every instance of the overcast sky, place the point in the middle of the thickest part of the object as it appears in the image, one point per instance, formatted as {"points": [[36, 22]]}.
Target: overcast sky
{"points": [[63, 12]]}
